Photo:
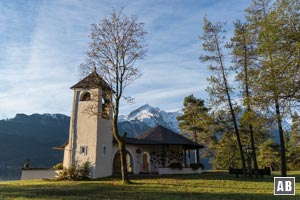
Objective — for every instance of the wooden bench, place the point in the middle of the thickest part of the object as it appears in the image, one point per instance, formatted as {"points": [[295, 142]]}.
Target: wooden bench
{"points": [[261, 172], [237, 172], [264, 171]]}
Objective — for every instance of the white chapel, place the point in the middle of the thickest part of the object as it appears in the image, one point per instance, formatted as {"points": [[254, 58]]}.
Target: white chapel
{"points": [[91, 140]]}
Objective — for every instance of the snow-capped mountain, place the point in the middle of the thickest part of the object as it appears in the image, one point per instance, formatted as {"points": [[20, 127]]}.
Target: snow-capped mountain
{"points": [[146, 117]]}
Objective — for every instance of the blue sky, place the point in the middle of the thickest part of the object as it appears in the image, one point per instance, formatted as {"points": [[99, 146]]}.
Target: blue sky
{"points": [[43, 43]]}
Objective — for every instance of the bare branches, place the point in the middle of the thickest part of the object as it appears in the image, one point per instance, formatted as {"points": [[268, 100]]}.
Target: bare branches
{"points": [[117, 42]]}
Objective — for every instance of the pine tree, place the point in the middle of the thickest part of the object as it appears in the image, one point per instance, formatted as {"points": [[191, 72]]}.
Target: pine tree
{"points": [[219, 90], [226, 152], [194, 118], [244, 53], [269, 155], [196, 123]]}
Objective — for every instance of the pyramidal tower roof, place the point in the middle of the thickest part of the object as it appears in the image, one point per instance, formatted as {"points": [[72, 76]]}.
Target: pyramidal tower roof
{"points": [[93, 80]]}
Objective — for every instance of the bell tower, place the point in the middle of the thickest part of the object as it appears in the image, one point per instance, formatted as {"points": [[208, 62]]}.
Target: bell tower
{"points": [[90, 135]]}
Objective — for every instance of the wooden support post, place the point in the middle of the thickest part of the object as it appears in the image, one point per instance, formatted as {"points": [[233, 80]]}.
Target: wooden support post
{"points": [[184, 157], [197, 156], [164, 155], [189, 157]]}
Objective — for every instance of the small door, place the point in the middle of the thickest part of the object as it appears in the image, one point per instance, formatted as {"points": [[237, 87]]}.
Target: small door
{"points": [[117, 163], [145, 163]]}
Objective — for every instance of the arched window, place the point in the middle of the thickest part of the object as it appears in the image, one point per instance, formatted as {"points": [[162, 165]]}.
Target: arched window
{"points": [[86, 97]]}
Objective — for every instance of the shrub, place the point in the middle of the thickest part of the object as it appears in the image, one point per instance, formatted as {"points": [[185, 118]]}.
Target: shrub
{"points": [[175, 166], [84, 170], [72, 172], [58, 166], [75, 172]]}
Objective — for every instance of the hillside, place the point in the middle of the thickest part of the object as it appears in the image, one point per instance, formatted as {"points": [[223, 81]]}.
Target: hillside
{"points": [[33, 136]]}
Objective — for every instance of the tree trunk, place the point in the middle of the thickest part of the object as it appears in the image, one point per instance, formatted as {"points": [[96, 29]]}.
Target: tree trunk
{"points": [[231, 108], [281, 136], [197, 156], [123, 161], [197, 160], [249, 110], [253, 151], [237, 133], [195, 137], [121, 143], [238, 138]]}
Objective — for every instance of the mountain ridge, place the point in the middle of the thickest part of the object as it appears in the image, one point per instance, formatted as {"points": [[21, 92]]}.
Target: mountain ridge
{"points": [[33, 136]]}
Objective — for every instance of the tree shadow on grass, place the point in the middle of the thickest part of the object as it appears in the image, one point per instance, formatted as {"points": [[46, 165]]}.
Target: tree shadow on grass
{"points": [[94, 190], [211, 176], [204, 176]]}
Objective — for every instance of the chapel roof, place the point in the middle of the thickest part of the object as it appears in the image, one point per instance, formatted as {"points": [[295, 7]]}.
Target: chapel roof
{"points": [[61, 147], [160, 135], [93, 80]]}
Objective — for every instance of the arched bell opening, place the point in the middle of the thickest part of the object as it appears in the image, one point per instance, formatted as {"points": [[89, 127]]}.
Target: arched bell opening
{"points": [[86, 96]]}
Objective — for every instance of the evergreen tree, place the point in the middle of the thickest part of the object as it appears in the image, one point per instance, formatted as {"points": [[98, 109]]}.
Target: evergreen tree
{"points": [[226, 143], [226, 152], [293, 145], [269, 155], [277, 73], [194, 118], [196, 123], [243, 56], [219, 90]]}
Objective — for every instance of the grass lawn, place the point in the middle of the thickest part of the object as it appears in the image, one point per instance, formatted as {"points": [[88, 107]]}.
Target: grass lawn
{"points": [[211, 185]]}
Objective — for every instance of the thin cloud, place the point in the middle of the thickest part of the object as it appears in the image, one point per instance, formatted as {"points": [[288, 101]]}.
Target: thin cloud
{"points": [[43, 43]]}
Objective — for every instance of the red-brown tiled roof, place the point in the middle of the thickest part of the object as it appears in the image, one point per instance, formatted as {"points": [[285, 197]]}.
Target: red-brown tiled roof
{"points": [[160, 135], [93, 80]]}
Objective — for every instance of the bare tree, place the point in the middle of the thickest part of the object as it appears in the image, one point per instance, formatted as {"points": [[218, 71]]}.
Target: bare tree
{"points": [[117, 43]]}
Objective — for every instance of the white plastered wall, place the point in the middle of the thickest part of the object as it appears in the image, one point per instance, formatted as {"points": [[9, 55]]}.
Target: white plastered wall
{"points": [[88, 129], [104, 143]]}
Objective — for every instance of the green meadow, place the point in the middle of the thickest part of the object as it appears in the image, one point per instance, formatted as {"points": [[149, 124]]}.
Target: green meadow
{"points": [[210, 185]]}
